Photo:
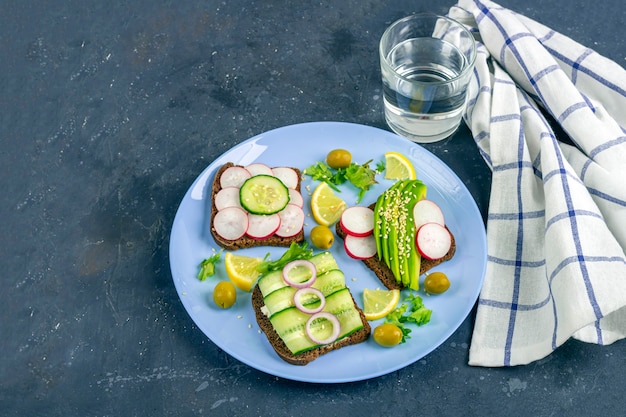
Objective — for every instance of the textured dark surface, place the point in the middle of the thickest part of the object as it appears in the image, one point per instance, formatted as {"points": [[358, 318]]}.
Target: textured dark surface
{"points": [[109, 111]]}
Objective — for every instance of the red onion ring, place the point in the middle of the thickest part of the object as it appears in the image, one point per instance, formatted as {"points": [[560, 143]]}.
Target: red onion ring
{"points": [[294, 264], [309, 290], [332, 319]]}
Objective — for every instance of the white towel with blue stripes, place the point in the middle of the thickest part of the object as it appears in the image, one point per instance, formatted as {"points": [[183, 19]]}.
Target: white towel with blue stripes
{"points": [[556, 227]]}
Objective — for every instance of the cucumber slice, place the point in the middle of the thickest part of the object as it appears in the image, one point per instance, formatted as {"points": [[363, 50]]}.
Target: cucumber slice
{"points": [[328, 283], [290, 323], [272, 281], [263, 194]]}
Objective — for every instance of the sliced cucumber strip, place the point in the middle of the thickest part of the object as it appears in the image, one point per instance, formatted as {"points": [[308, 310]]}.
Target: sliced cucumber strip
{"points": [[272, 281], [290, 323], [263, 194], [328, 283]]}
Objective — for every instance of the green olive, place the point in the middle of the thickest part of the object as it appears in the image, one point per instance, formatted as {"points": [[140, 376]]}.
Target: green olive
{"points": [[224, 294], [322, 237], [387, 335], [338, 158], [436, 283]]}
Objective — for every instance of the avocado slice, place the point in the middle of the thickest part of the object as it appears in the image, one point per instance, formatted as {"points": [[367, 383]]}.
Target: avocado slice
{"points": [[380, 226], [418, 192], [412, 192], [392, 214], [395, 233]]}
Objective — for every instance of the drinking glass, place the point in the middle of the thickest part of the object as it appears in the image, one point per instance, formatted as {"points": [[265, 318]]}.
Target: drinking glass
{"points": [[426, 63]]}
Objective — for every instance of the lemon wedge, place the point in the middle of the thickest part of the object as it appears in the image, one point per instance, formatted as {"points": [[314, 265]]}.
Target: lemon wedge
{"points": [[242, 270], [398, 167], [378, 303], [326, 206]]}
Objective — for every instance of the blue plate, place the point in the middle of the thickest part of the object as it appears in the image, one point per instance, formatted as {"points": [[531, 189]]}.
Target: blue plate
{"points": [[235, 330]]}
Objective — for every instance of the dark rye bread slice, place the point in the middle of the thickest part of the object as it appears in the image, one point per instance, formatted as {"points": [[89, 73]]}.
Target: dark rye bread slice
{"points": [[245, 241], [385, 274], [305, 357]]}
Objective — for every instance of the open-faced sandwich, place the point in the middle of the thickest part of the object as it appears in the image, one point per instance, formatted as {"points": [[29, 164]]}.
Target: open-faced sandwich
{"points": [[306, 310], [256, 205], [400, 237]]}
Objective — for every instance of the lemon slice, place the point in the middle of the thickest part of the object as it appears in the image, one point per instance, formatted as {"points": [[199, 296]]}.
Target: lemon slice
{"points": [[241, 270], [378, 303], [326, 206], [398, 167]]}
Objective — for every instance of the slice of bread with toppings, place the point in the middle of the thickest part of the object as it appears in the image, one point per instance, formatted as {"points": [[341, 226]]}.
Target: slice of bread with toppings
{"points": [[245, 241], [306, 357], [384, 273], [305, 315]]}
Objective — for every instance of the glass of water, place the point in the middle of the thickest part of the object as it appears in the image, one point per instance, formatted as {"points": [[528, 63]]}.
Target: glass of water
{"points": [[426, 63]]}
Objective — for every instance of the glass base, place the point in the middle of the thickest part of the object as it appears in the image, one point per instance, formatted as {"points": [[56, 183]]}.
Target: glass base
{"points": [[421, 138]]}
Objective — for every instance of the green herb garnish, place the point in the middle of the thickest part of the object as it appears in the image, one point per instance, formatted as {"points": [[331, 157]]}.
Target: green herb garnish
{"points": [[322, 172], [207, 266], [413, 311], [380, 166], [359, 175], [419, 314], [362, 177], [295, 251]]}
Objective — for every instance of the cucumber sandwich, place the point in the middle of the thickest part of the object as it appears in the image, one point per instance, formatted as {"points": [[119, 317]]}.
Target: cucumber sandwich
{"points": [[306, 310]]}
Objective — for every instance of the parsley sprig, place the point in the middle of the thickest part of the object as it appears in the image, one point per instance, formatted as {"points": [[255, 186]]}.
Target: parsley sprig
{"points": [[207, 266], [295, 251], [412, 311], [359, 175]]}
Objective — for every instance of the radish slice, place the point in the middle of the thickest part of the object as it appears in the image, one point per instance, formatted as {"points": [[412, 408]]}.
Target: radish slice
{"points": [[433, 241], [332, 319], [291, 221], [288, 176], [259, 169], [427, 211], [302, 292], [360, 247], [357, 221], [262, 226], [234, 177], [300, 263], [296, 198], [231, 223], [227, 197]]}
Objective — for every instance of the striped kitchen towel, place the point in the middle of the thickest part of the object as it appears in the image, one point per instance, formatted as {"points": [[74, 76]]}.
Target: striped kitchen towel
{"points": [[556, 228]]}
